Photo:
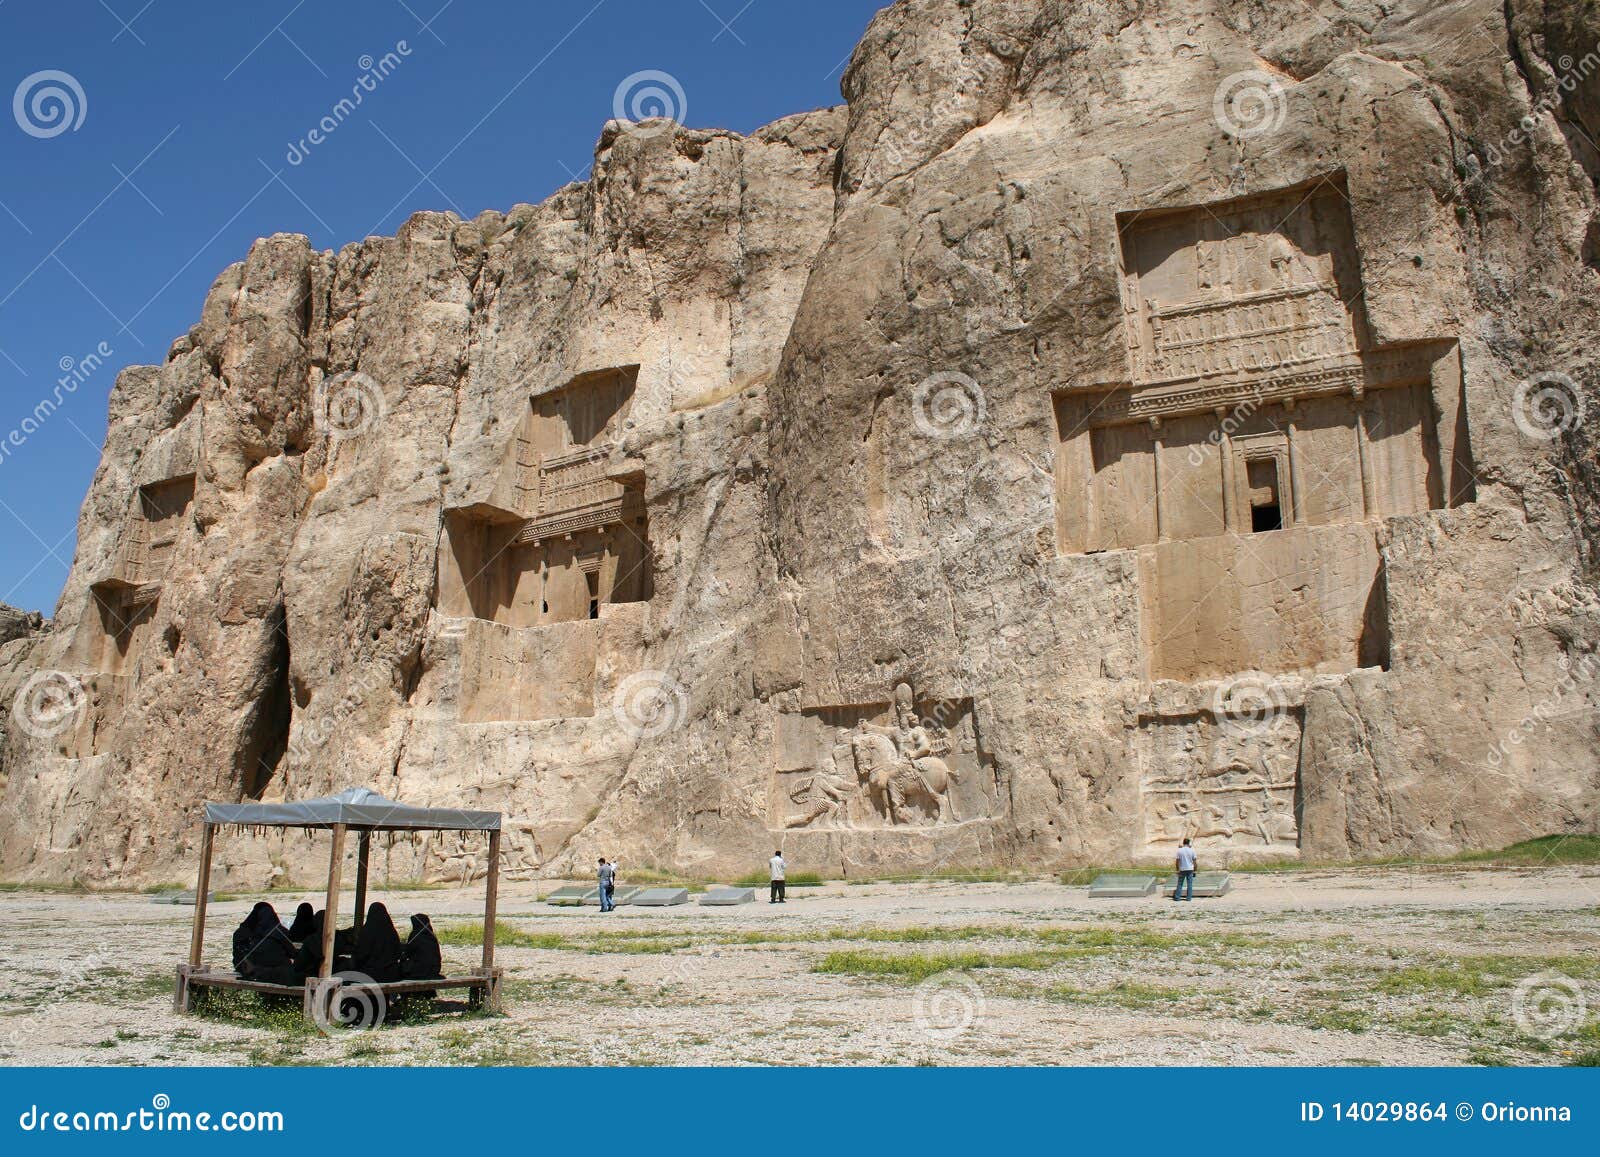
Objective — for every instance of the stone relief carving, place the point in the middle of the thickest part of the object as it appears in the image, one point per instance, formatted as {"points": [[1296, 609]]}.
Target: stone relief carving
{"points": [[1222, 782], [880, 766]]}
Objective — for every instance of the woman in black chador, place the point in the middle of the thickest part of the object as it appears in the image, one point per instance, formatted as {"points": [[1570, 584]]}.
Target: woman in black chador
{"points": [[301, 927], [377, 951], [308, 957], [262, 949], [420, 959]]}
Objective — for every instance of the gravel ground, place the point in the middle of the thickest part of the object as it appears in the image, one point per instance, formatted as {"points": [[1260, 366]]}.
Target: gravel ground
{"points": [[1428, 966]]}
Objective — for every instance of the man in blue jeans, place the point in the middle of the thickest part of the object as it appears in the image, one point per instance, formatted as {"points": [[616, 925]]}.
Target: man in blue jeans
{"points": [[1185, 865], [608, 885]]}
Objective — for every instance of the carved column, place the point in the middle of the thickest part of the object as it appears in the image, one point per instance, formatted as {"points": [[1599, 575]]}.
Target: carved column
{"points": [[1225, 447], [1369, 501], [1155, 450], [1296, 513]]}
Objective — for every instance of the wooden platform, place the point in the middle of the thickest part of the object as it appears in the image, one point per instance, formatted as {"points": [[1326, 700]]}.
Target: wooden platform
{"points": [[483, 987]]}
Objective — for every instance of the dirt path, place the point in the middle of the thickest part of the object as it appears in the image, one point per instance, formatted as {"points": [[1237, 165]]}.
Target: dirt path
{"points": [[1430, 966]]}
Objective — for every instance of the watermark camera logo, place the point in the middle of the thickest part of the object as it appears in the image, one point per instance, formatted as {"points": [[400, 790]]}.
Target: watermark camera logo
{"points": [[648, 704], [49, 703], [945, 1006], [1548, 1004], [48, 103], [1249, 104], [1254, 699], [347, 405], [1569, 77], [948, 405], [1547, 405], [649, 95], [373, 73], [357, 1005]]}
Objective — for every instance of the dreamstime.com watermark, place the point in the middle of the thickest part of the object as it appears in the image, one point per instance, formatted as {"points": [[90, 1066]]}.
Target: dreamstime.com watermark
{"points": [[648, 704], [317, 730], [1547, 1005], [357, 1005], [74, 372], [1569, 75], [651, 95], [48, 103], [1575, 673], [373, 73], [1252, 699], [1249, 104], [1546, 406], [947, 1005], [49, 703], [347, 405], [160, 1117], [948, 405]]}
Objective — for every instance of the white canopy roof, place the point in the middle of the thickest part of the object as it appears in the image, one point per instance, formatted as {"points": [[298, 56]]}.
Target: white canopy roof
{"points": [[356, 807]]}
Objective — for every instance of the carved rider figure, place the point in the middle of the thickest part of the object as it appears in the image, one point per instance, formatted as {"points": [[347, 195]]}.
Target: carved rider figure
{"points": [[911, 772]]}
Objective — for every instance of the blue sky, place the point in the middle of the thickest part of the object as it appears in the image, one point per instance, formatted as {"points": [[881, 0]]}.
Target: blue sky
{"points": [[118, 213]]}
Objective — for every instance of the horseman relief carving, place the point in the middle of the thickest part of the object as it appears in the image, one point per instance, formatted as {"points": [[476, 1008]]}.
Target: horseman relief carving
{"points": [[887, 766]]}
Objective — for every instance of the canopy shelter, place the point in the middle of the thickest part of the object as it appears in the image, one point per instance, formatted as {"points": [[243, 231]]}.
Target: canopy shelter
{"points": [[363, 812]]}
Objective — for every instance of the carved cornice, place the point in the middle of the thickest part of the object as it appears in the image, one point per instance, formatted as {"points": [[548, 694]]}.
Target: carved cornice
{"points": [[1349, 374]]}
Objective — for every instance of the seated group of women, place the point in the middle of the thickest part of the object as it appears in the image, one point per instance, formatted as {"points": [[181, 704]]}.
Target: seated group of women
{"points": [[265, 950]]}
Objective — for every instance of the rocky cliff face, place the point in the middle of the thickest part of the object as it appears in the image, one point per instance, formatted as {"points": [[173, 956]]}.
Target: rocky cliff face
{"points": [[1120, 421]]}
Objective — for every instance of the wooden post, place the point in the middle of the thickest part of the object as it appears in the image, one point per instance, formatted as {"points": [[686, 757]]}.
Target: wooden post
{"points": [[491, 900], [330, 909], [363, 847], [198, 935]]}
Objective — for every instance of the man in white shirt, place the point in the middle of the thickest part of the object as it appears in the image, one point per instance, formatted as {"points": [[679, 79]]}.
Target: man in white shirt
{"points": [[777, 866], [1185, 866]]}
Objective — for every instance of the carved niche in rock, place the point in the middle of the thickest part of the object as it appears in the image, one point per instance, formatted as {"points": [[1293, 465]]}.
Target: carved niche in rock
{"points": [[1220, 780], [571, 537], [125, 600], [1260, 435], [881, 765]]}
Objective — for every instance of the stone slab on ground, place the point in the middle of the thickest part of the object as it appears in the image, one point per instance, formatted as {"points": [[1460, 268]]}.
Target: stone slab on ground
{"points": [[1206, 884], [179, 898], [722, 897], [1109, 887], [572, 896], [660, 897], [619, 897]]}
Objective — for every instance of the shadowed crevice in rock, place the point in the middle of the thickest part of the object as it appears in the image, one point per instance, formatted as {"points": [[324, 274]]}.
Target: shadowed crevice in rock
{"points": [[264, 739]]}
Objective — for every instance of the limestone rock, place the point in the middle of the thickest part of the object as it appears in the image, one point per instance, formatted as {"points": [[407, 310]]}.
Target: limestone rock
{"points": [[1115, 423]]}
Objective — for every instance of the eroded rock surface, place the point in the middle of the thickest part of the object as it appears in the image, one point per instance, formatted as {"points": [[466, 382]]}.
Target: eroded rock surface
{"points": [[1118, 422]]}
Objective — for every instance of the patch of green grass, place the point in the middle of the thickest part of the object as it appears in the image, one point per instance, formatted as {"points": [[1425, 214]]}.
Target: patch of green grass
{"points": [[238, 1006], [1129, 994], [919, 966], [510, 936], [950, 876], [1543, 851], [795, 880], [1566, 849], [1588, 1058], [1428, 1022], [506, 935], [1343, 1019], [635, 942], [1453, 979]]}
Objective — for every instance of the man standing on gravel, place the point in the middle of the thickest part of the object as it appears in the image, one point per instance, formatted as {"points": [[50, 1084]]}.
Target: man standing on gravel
{"points": [[1185, 866], [777, 865], [608, 885]]}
